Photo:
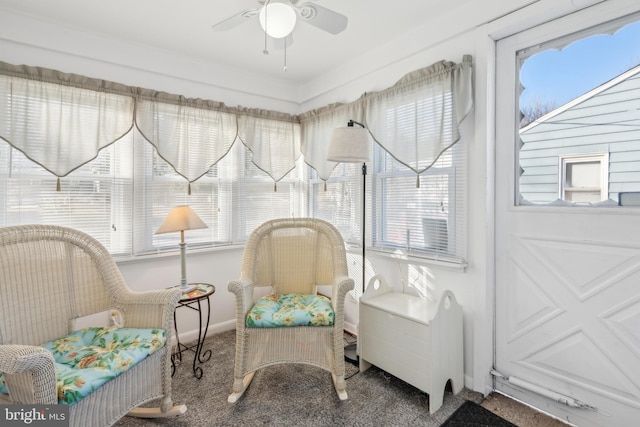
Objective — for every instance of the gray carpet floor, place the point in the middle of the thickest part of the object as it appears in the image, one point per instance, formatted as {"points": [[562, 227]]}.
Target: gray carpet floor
{"points": [[296, 395]]}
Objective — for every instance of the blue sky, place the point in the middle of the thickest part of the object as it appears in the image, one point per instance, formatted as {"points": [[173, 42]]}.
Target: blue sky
{"points": [[558, 76]]}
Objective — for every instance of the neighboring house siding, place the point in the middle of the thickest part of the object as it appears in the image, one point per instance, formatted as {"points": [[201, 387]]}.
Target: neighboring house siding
{"points": [[605, 120]]}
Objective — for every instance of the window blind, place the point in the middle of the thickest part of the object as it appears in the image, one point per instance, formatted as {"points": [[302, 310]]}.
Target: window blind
{"points": [[428, 220], [95, 198], [339, 200], [255, 199]]}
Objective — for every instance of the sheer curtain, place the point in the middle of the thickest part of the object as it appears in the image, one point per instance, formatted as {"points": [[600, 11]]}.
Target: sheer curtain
{"points": [[190, 135], [63, 125], [317, 127], [418, 118], [61, 121], [275, 145], [415, 120]]}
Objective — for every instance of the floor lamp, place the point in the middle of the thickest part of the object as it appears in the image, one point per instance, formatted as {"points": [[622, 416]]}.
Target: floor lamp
{"points": [[351, 144], [181, 218]]}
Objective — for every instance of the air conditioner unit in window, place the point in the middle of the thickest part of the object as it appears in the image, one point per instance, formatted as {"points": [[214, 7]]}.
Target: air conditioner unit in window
{"points": [[436, 235]]}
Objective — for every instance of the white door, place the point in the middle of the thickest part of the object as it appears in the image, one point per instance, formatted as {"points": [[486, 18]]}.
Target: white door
{"points": [[567, 280]]}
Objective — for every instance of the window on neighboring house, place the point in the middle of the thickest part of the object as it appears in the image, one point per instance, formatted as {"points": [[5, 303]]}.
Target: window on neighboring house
{"points": [[584, 178]]}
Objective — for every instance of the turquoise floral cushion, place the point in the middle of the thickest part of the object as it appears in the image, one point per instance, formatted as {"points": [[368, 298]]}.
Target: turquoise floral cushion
{"points": [[90, 357], [290, 310]]}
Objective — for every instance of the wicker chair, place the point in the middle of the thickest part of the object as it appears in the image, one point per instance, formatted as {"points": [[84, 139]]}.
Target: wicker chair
{"points": [[51, 275], [295, 255]]}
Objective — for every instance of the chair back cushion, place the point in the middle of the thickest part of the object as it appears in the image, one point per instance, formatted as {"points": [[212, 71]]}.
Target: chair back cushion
{"points": [[294, 255]]}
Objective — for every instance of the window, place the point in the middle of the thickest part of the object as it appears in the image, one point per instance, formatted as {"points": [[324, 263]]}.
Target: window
{"points": [[426, 221], [158, 188], [256, 198], [584, 178], [123, 195], [580, 130], [339, 201], [96, 198]]}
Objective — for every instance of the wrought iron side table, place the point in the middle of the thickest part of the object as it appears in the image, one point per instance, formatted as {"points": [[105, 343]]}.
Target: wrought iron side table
{"points": [[194, 300]]}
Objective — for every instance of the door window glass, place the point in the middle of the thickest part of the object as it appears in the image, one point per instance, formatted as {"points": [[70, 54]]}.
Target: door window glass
{"points": [[579, 121]]}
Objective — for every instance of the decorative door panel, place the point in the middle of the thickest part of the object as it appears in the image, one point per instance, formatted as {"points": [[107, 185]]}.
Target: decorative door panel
{"points": [[568, 321]]}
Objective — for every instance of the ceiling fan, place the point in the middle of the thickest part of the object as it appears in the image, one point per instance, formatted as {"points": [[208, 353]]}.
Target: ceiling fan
{"points": [[279, 17]]}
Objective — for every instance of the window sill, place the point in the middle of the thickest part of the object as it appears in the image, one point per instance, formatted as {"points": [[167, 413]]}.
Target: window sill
{"points": [[168, 253], [449, 263]]}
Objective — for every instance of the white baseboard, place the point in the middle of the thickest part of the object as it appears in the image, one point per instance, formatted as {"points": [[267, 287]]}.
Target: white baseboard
{"points": [[216, 328], [468, 381]]}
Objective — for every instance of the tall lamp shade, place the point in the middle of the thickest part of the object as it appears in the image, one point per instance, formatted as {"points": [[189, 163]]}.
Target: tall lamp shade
{"points": [[349, 144], [181, 218]]}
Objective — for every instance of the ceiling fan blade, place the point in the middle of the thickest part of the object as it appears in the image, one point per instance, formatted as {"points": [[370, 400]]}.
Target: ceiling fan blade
{"points": [[323, 18], [235, 20]]}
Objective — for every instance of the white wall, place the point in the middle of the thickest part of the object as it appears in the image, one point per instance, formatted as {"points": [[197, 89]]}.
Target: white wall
{"points": [[24, 40], [469, 31], [216, 267]]}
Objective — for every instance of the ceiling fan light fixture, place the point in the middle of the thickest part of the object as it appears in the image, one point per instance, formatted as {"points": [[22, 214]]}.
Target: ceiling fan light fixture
{"points": [[277, 18]]}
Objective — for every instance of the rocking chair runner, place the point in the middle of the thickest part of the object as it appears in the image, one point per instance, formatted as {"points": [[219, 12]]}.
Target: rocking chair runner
{"points": [[292, 256]]}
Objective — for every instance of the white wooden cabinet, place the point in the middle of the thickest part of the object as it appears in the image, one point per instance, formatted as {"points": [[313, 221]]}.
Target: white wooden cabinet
{"points": [[414, 339]]}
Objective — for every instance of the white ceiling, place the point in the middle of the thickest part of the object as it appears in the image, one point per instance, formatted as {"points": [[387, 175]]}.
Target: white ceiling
{"points": [[184, 27]]}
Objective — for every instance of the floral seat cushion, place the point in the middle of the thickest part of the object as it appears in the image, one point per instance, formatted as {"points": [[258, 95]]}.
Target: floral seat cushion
{"points": [[90, 357], [277, 310]]}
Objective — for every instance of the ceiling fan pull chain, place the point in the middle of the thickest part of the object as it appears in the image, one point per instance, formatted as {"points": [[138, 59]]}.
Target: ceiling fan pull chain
{"points": [[266, 11], [285, 57]]}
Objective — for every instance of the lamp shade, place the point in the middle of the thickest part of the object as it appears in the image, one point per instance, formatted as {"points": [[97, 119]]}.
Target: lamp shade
{"points": [[277, 18], [349, 144], [180, 218]]}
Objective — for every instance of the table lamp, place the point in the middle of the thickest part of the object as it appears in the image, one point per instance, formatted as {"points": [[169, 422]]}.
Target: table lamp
{"points": [[181, 218]]}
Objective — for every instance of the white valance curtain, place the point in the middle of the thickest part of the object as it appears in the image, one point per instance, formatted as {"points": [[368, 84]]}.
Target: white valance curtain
{"points": [[275, 145], [415, 120], [419, 117], [61, 121], [63, 125], [317, 126], [190, 137]]}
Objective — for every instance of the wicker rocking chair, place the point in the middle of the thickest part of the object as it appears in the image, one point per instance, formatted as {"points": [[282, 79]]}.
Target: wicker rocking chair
{"points": [[291, 256], [49, 277]]}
